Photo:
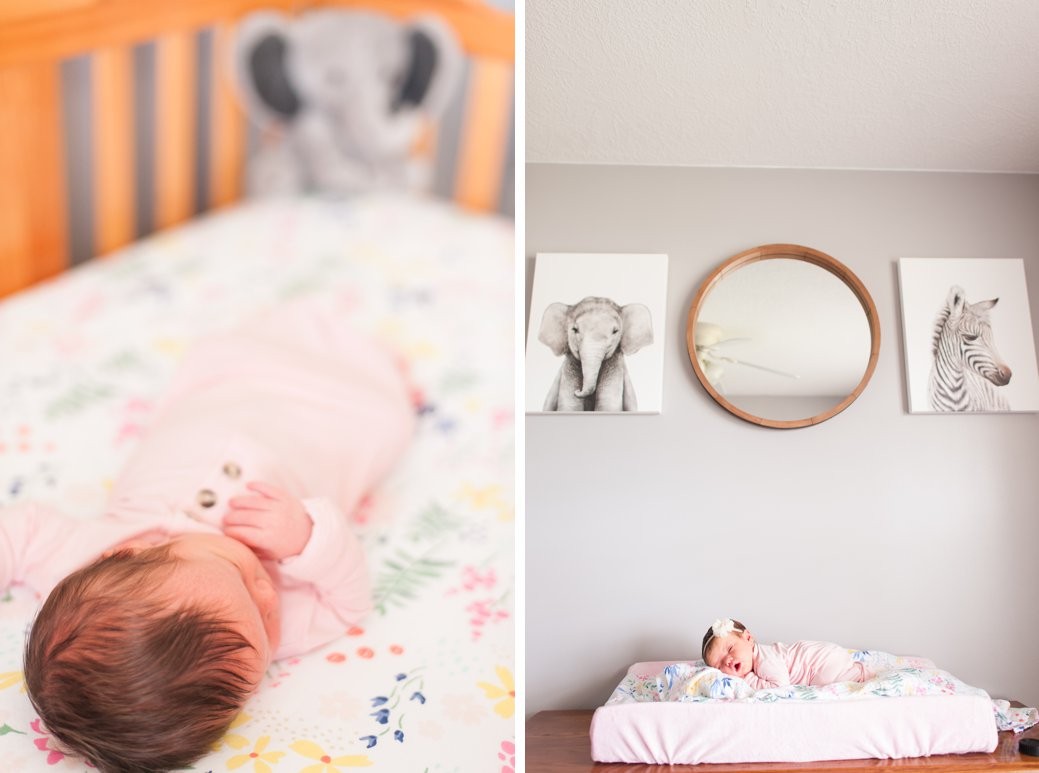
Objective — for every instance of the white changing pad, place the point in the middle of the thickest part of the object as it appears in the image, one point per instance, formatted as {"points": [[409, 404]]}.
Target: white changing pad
{"points": [[663, 713], [673, 733]]}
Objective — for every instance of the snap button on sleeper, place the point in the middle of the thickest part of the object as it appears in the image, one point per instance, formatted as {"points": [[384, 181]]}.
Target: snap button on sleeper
{"points": [[206, 498], [232, 470]]}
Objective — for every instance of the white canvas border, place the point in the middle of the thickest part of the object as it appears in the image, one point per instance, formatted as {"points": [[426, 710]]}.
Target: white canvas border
{"points": [[624, 278], [923, 286]]}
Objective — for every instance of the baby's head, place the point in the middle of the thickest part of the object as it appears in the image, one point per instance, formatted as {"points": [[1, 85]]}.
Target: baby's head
{"points": [[141, 660], [729, 647]]}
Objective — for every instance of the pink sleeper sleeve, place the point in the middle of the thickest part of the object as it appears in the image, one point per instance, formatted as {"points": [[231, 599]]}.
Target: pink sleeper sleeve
{"points": [[40, 545], [326, 588], [826, 663], [29, 534], [770, 669]]}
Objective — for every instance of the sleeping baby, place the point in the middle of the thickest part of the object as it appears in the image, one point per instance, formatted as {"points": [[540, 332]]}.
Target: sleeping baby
{"points": [[225, 543], [730, 647]]}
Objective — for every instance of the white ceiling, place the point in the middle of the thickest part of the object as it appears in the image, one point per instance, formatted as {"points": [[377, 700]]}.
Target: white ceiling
{"points": [[844, 84]]}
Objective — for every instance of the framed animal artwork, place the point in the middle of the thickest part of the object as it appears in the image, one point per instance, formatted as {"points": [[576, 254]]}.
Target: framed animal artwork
{"points": [[595, 341], [968, 336]]}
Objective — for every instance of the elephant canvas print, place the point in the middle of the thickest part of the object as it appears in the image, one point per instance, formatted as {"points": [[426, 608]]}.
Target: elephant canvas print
{"points": [[968, 336], [595, 340]]}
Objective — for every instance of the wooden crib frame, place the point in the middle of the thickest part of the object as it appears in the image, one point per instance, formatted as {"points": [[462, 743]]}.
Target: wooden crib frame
{"points": [[36, 35]]}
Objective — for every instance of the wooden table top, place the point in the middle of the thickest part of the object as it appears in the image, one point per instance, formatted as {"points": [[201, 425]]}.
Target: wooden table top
{"points": [[557, 742]]}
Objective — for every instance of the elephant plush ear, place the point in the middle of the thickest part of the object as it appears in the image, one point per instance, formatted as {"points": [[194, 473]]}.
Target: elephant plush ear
{"points": [[262, 46], [434, 67], [553, 328], [638, 327]]}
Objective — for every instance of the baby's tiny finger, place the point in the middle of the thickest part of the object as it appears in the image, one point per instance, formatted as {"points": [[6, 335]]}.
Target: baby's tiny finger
{"points": [[236, 517], [249, 503], [269, 491]]}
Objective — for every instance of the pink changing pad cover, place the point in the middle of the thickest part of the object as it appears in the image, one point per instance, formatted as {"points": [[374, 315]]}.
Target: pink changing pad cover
{"points": [[681, 712]]}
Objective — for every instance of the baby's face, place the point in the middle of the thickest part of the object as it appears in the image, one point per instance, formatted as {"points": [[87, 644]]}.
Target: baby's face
{"points": [[732, 654], [217, 572]]}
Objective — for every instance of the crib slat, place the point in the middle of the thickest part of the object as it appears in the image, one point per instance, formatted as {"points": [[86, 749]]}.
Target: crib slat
{"points": [[33, 237], [113, 149], [485, 31], [61, 28], [484, 134], [14, 220], [228, 130], [174, 125]]}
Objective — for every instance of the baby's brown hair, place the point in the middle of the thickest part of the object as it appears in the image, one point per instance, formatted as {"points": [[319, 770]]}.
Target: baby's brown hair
{"points": [[124, 682], [710, 635]]}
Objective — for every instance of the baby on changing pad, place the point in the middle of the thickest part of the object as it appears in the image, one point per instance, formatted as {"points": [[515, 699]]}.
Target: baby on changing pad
{"points": [[730, 647], [224, 544]]}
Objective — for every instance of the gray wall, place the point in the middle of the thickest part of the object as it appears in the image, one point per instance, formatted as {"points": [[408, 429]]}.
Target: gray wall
{"points": [[913, 534]]}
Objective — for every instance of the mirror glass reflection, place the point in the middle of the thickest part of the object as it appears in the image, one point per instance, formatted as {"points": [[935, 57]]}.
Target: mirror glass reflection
{"points": [[782, 338]]}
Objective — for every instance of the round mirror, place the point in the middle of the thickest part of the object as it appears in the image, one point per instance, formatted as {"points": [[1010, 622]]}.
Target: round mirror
{"points": [[783, 336]]}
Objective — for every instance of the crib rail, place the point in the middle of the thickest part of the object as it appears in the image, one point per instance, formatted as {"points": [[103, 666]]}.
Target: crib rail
{"points": [[71, 189]]}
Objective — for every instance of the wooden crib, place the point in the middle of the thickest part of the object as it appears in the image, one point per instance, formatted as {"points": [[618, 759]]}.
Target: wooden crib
{"points": [[83, 174]]}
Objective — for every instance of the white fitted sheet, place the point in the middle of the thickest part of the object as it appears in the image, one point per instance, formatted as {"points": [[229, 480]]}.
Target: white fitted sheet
{"points": [[733, 731], [426, 682]]}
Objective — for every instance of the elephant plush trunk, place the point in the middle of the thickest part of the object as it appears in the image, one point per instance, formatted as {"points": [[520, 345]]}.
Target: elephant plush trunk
{"points": [[591, 361]]}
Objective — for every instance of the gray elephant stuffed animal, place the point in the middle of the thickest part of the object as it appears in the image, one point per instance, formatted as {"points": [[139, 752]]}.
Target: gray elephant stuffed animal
{"points": [[343, 95], [593, 337]]}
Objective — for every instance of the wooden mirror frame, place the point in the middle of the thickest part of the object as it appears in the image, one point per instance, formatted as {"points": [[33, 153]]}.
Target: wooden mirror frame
{"points": [[796, 252]]}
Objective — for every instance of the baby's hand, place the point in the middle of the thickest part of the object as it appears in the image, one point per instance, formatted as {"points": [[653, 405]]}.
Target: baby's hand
{"points": [[274, 524]]}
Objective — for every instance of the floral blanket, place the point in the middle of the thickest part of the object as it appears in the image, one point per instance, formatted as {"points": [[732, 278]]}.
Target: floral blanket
{"points": [[426, 684], [894, 675]]}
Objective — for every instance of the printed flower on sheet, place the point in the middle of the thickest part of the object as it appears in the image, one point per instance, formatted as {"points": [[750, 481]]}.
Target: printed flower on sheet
{"points": [[506, 691], [234, 740], [486, 611], [670, 673], [11, 678], [326, 762], [390, 709], [507, 755], [44, 744], [489, 497], [463, 708], [483, 612], [257, 756], [342, 705], [473, 578]]}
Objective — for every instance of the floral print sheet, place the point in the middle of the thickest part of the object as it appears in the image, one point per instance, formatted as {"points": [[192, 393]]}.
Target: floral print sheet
{"points": [[894, 676], [426, 683]]}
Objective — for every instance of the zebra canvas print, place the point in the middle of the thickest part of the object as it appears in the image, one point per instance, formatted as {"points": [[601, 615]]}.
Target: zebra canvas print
{"points": [[968, 336], [967, 370]]}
